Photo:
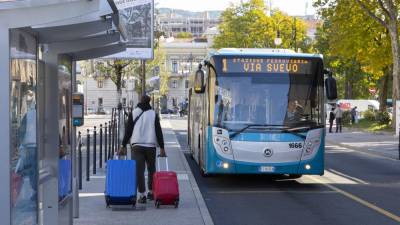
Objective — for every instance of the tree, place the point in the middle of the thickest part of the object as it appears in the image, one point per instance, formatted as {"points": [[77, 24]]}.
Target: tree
{"points": [[247, 26], [385, 12], [355, 46], [116, 69], [184, 35]]}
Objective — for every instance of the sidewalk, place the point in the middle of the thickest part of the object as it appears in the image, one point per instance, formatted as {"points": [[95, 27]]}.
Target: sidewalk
{"points": [[192, 209], [382, 144]]}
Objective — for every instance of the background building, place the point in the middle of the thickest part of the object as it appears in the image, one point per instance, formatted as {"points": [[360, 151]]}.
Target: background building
{"points": [[182, 58], [172, 22], [101, 92]]}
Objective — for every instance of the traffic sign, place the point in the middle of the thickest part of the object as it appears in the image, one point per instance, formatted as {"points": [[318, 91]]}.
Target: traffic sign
{"points": [[372, 90]]}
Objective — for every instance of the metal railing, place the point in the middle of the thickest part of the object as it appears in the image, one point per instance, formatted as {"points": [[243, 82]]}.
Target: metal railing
{"points": [[100, 145]]}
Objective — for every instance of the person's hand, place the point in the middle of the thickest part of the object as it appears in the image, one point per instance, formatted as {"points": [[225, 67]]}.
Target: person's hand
{"points": [[122, 151], [162, 152]]}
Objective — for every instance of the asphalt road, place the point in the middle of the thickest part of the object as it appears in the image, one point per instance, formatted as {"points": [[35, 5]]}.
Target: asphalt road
{"points": [[357, 188]]}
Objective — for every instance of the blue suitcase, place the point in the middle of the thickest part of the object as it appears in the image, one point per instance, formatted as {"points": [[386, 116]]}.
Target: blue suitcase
{"points": [[121, 182]]}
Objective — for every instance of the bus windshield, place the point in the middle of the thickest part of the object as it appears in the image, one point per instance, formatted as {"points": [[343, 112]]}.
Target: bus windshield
{"points": [[270, 99]]}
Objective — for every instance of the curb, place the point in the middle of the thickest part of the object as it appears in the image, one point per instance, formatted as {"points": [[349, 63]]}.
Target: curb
{"points": [[205, 214], [371, 152]]}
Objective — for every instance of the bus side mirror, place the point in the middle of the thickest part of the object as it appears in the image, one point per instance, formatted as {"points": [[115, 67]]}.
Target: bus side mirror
{"points": [[330, 86], [199, 86]]}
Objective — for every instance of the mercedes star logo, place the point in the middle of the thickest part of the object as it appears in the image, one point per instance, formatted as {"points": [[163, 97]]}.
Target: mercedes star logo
{"points": [[268, 152]]}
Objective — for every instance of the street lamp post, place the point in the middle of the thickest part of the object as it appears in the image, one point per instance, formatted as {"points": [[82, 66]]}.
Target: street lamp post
{"points": [[278, 40]]}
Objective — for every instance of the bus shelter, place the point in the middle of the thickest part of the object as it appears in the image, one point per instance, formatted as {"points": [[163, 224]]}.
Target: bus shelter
{"points": [[40, 41]]}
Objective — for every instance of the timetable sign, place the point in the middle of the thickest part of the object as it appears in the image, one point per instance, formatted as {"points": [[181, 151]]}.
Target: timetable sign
{"points": [[267, 65]]}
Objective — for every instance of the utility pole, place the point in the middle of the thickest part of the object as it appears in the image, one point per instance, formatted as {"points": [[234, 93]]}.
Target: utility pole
{"points": [[143, 77]]}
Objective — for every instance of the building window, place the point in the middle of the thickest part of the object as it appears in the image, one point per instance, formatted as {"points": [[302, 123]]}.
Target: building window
{"points": [[123, 83], [100, 83], [174, 66], [174, 104], [100, 101], [174, 84]]}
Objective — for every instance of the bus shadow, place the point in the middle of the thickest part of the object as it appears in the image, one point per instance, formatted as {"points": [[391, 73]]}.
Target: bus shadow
{"points": [[250, 182]]}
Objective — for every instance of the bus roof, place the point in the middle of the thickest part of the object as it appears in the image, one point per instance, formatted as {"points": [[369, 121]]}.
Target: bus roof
{"points": [[262, 52]]}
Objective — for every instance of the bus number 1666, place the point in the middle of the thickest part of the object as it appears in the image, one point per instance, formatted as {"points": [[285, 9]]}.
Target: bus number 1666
{"points": [[295, 145]]}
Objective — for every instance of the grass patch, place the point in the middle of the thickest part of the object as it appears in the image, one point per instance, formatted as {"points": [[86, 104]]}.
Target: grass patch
{"points": [[370, 126]]}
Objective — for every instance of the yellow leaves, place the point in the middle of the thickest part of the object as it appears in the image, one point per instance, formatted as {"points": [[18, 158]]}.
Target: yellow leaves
{"points": [[247, 26]]}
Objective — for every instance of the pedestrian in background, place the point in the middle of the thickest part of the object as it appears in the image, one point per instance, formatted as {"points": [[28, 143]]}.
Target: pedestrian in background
{"points": [[331, 119], [144, 132], [353, 115], [338, 115]]}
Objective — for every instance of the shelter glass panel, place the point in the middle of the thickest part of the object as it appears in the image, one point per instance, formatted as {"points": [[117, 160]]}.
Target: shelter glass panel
{"points": [[24, 167]]}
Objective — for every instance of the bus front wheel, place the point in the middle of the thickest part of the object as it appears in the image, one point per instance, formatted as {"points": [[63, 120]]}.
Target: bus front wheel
{"points": [[203, 174], [295, 176]]}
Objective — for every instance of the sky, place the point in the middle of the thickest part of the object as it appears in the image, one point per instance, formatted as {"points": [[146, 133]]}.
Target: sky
{"points": [[292, 7]]}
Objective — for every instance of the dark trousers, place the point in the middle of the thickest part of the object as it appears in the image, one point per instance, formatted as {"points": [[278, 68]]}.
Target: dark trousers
{"points": [[330, 126], [339, 125], [144, 156]]}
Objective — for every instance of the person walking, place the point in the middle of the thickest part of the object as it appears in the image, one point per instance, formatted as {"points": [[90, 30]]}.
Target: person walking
{"points": [[143, 131], [338, 115], [353, 115], [331, 119]]}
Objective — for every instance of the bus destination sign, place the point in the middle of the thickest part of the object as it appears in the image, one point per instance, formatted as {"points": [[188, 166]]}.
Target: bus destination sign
{"points": [[266, 65]]}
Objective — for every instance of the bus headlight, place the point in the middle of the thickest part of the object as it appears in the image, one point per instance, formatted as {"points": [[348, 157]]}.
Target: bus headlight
{"points": [[309, 148], [221, 141], [223, 144], [312, 144]]}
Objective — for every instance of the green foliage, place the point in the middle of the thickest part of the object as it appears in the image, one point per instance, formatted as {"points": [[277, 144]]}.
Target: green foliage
{"points": [[383, 118], [355, 46], [369, 115], [346, 117], [184, 35], [247, 26]]}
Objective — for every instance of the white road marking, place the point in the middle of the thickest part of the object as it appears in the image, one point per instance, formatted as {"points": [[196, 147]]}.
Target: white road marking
{"points": [[272, 191], [357, 199], [350, 177]]}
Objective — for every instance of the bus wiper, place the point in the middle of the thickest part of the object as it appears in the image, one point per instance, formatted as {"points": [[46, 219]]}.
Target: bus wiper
{"points": [[295, 131], [231, 136]]}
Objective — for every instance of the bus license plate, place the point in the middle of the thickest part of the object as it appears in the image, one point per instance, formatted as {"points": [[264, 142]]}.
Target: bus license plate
{"points": [[267, 169]]}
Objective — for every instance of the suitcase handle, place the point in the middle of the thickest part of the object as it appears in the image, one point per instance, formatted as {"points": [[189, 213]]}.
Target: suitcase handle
{"points": [[158, 162]]}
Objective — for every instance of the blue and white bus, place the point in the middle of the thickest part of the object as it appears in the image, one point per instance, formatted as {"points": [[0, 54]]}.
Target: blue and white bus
{"points": [[255, 111]]}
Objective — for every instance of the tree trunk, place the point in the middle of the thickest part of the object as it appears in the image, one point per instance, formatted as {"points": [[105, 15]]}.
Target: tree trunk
{"points": [[347, 86], [394, 37], [383, 92], [118, 71]]}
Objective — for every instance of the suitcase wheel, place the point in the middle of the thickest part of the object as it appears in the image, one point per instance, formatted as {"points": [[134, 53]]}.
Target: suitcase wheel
{"points": [[157, 203], [107, 202], [134, 202]]}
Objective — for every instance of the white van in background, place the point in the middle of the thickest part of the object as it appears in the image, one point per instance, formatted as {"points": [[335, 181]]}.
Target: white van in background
{"points": [[362, 105]]}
